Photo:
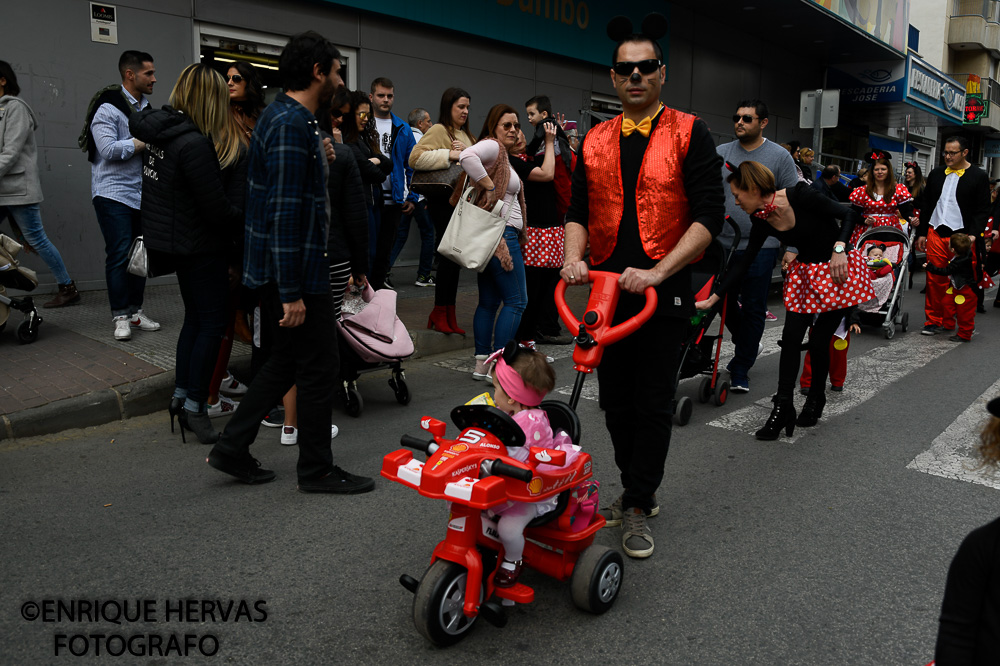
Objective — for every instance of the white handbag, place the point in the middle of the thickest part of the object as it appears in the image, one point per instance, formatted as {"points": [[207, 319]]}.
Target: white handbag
{"points": [[473, 234]]}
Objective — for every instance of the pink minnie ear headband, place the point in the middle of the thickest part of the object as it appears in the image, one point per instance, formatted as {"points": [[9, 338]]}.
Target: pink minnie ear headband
{"points": [[509, 380]]}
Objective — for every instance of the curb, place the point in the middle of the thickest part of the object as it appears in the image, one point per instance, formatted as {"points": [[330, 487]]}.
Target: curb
{"points": [[149, 395]]}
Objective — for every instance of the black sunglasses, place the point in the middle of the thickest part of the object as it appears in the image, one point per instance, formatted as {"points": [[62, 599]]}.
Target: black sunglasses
{"points": [[745, 118], [235, 78], [625, 68], [506, 126]]}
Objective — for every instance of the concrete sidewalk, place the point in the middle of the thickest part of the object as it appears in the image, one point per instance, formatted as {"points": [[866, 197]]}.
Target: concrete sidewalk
{"points": [[76, 375]]}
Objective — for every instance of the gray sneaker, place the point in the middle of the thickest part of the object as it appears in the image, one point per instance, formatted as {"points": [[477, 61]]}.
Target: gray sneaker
{"points": [[637, 539], [613, 514]]}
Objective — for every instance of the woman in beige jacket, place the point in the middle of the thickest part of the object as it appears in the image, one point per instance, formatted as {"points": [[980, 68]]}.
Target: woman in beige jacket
{"points": [[438, 149]]}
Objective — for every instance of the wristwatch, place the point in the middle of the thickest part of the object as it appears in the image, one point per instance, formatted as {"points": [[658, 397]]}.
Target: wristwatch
{"points": [[839, 249]]}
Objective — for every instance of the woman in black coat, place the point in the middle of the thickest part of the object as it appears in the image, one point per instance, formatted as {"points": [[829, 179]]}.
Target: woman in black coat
{"points": [[823, 283], [358, 129], [187, 218]]}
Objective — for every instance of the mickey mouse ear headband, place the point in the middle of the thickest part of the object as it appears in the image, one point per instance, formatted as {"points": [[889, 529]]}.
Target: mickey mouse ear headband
{"points": [[654, 26], [911, 165], [732, 167], [876, 155], [993, 407]]}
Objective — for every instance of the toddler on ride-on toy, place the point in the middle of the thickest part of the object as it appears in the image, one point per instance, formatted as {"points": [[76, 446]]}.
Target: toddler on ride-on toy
{"points": [[521, 378]]}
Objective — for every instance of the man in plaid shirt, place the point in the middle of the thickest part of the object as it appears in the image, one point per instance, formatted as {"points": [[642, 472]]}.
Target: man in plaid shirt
{"points": [[285, 260]]}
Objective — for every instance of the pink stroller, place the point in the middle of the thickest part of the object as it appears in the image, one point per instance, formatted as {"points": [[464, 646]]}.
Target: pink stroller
{"points": [[15, 276], [371, 338]]}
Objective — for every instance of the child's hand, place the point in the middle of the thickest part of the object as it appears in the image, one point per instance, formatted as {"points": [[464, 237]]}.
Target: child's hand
{"points": [[925, 265], [855, 328]]}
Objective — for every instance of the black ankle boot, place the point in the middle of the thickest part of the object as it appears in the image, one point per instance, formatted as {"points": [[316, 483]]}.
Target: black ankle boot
{"points": [[811, 411], [199, 424], [782, 416], [176, 405]]}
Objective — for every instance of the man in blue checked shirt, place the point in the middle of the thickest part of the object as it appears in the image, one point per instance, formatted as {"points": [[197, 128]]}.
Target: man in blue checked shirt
{"points": [[285, 260], [116, 187]]}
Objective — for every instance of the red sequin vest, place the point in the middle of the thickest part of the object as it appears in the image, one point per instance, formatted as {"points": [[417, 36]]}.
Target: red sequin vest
{"points": [[661, 203]]}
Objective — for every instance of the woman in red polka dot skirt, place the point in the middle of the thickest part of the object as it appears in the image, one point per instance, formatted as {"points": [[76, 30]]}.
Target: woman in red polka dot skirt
{"points": [[824, 282], [882, 200]]}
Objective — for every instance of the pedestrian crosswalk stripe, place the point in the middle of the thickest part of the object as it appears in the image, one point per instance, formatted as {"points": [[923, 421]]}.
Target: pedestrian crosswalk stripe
{"points": [[953, 452], [871, 373]]}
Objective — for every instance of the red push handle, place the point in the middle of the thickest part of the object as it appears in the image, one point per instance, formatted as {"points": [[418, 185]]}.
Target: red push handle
{"points": [[600, 310]]}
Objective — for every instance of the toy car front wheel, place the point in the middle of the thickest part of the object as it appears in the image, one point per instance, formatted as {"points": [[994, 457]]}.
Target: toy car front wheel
{"points": [[721, 393], [437, 605], [597, 579]]}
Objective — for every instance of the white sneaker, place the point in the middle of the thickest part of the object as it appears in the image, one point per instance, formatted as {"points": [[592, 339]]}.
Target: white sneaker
{"points": [[482, 373], [141, 321], [224, 407], [123, 330], [290, 434], [232, 386]]}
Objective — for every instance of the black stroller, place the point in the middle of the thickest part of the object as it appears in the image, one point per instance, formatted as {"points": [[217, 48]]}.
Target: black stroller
{"points": [[15, 276], [701, 349]]}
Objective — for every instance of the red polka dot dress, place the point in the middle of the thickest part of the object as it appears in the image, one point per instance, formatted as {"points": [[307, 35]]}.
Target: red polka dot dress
{"points": [[885, 211]]}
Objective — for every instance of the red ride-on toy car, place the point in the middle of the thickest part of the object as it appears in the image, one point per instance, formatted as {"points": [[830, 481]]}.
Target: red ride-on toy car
{"points": [[474, 473]]}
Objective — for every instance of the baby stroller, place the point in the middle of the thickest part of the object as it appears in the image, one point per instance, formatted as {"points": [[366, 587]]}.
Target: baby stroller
{"points": [[15, 276], [371, 338], [885, 309], [701, 350]]}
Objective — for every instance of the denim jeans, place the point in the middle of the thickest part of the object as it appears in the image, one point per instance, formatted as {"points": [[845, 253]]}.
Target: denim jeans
{"points": [[746, 324], [426, 229], [120, 226], [29, 219], [498, 286], [204, 283]]}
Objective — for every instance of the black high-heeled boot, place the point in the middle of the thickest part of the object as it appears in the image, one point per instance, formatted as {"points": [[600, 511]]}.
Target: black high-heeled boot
{"points": [[200, 424], [811, 411], [782, 416], [174, 409]]}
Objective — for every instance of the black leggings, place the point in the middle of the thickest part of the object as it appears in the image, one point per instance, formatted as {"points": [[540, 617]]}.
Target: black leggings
{"points": [[446, 283], [796, 325]]}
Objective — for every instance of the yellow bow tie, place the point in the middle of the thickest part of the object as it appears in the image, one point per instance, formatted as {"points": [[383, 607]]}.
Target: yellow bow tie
{"points": [[950, 171], [643, 126]]}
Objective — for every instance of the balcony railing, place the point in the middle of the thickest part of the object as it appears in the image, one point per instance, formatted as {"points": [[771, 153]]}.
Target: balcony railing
{"points": [[987, 9]]}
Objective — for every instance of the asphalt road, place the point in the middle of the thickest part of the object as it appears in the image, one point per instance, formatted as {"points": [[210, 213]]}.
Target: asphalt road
{"points": [[827, 549]]}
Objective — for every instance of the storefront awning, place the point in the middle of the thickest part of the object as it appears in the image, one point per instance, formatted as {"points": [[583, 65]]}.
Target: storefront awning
{"points": [[890, 145]]}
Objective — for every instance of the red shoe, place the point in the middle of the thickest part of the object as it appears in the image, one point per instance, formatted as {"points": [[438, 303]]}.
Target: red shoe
{"points": [[508, 577], [453, 321], [438, 321]]}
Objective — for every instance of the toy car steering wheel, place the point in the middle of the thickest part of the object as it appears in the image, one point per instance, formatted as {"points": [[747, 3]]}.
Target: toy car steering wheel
{"points": [[494, 421]]}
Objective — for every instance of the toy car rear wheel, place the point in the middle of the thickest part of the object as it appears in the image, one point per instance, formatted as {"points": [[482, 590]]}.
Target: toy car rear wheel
{"points": [[682, 411], [721, 393], [437, 605], [26, 334], [400, 389], [705, 390], [597, 579]]}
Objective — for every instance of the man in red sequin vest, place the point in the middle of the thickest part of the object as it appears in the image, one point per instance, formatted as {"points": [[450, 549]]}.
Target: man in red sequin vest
{"points": [[647, 196]]}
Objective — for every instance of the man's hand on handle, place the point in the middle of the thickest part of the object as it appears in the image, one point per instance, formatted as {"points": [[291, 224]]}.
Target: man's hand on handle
{"points": [[575, 273]]}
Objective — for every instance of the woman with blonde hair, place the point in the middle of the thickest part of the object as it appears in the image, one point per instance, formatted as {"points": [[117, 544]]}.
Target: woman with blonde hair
{"points": [[189, 223]]}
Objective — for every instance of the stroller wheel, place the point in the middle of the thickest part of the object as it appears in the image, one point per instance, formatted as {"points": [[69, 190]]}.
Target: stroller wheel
{"points": [[904, 322], [721, 394], [705, 390], [889, 330], [400, 388], [682, 411], [26, 333], [3, 326], [354, 402]]}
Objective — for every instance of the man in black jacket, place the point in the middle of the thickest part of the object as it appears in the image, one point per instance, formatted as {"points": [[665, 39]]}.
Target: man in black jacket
{"points": [[959, 196]]}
